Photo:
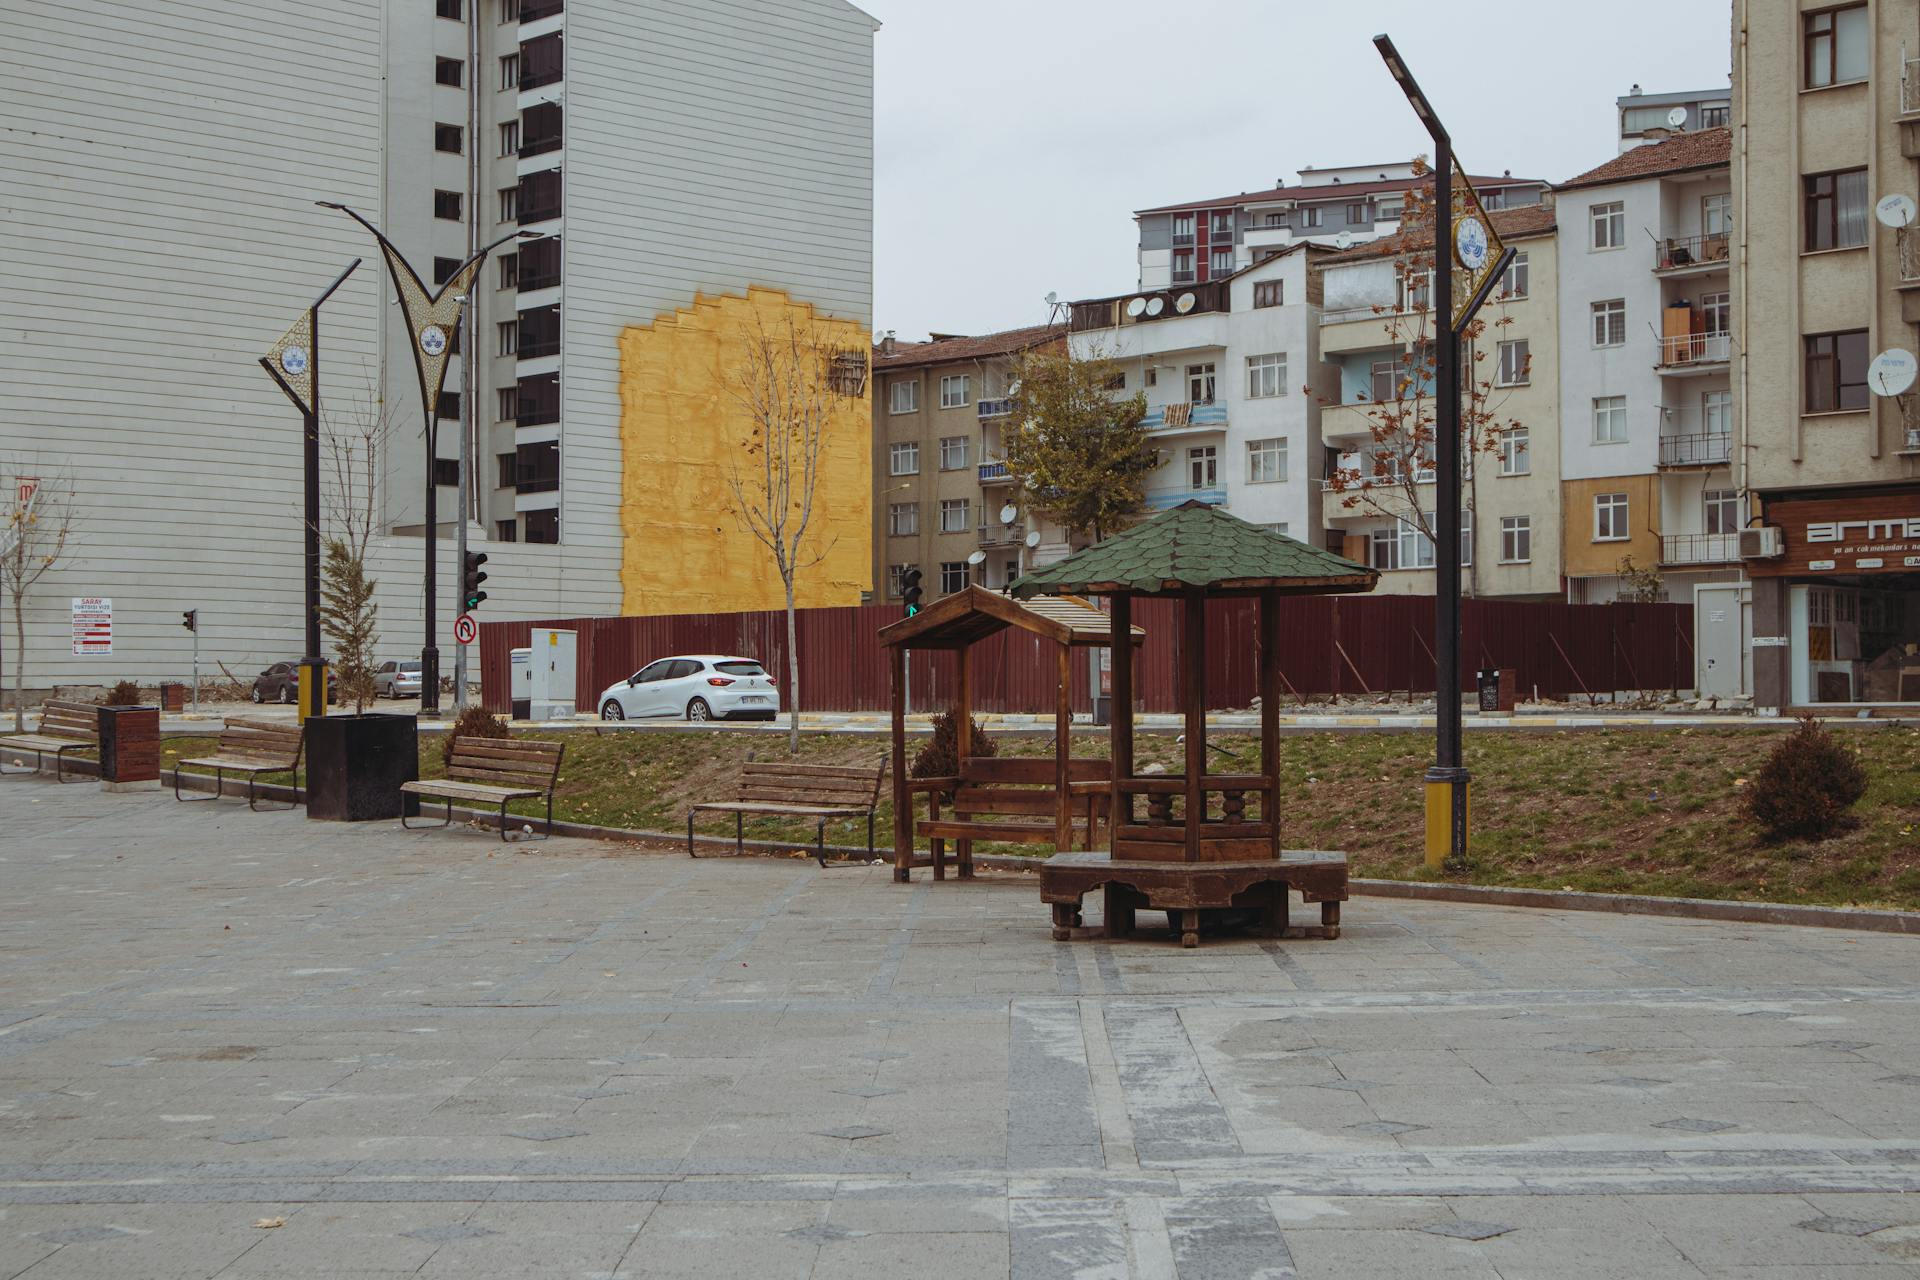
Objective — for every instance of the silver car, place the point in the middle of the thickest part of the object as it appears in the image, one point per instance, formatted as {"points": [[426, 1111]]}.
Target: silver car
{"points": [[397, 680]]}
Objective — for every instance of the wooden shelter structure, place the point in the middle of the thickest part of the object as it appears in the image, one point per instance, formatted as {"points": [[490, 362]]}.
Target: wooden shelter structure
{"points": [[986, 803], [1204, 840]]}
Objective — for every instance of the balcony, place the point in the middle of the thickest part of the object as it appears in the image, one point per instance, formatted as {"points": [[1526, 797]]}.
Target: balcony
{"points": [[994, 408], [534, 10], [1910, 87], [1002, 535], [1704, 449], [1695, 354], [1187, 415], [1699, 548], [995, 473], [1691, 255], [1167, 499]]}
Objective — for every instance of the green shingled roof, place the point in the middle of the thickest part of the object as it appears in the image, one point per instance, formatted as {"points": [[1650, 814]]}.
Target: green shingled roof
{"points": [[1195, 545]]}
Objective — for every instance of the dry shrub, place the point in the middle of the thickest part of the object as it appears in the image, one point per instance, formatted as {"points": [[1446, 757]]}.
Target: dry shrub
{"points": [[474, 722], [1807, 787], [124, 694], [940, 758]]}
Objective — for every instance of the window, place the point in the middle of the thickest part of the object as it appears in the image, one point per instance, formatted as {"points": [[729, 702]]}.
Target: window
{"points": [[1515, 363], [1610, 323], [446, 204], [1389, 210], [1466, 536], [1182, 266], [509, 11], [543, 526], [904, 396], [509, 137], [1716, 313], [510, 267], [956, 516], [509, 71], [1400, 545], [1118, 382], [447, 137], [539, 401], [503, 469], [1270, 293], [449, 71], [1266, 376], [903, 519], [1835, 46], [539, 332], [509, 204], [1516, 452], [1609, 419], [508, 333], [1203, 467], [1716, 213], [542, 61], [443, 269], [1267, 461], [539, 265], [446, 472], [1183, 228], [447, 9], [1836, 371], [542, 128], [447, 406], [1516, 539], [953, 576], [1609, 224], [1221, 263], [953, 453], [895, 572], [1278, 526], [1716, 412], [1416, 290], [1384, 381], [506, 531], [1311, 215], [537, 467], [1722, 514], [539, 196], [1359, 213], [904, 458], [1610, 517], [1276, 220], [507, 404], [1836, 210], [1200, 383], [954, 392], [1713, 117], [1153, 376], [1514, 283], [1222, 223]]}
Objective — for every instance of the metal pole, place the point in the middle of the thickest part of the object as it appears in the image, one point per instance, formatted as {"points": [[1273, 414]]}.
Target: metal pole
{"points": [[314, 666], [429, 650], [460, 526], [1446, 597], [196, 666]]}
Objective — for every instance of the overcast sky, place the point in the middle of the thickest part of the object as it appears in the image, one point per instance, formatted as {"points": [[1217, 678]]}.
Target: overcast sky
{"points": [[1015, 138]]}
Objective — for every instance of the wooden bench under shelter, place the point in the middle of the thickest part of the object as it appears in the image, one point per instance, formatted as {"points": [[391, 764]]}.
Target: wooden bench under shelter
{"points": [[1204, 841], [1019, 801], [773, 789], [493, 771], [250, 747], [64, 727]]}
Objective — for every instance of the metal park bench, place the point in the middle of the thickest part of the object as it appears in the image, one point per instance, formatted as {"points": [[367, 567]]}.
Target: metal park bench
{"points": [[495, 771], [817, 791], [250, 747]]}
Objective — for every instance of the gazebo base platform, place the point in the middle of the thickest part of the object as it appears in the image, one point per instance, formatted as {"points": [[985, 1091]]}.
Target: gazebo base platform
{"points": [[1184, 889]]}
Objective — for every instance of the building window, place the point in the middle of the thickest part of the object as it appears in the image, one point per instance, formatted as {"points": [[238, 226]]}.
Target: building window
{"points": [[895, 572], [953, 576], [1516, 539], [1266, 376], [1222, 263], [1183, 266], [1516, 453], [539, 402], [904, 458], [1466, 536], [508, 332], [509, 11], [539, 332], [446, 472], [1270, 293], [542, 61], [539, 196], [955, 392], [903, 519], [1182, 228], [1610, 323], [447, 137], [1713, 117], [542, 128], [1609, 419], [446, 204], [1515, 363], [1716, 214], [1514, 283], [1716, 413], [539, 263], [1359, 214], [543, 526], [507, 404], [509, 71], [953, 453], [509, 204], [1400, 545], [1118, 382], [1384, 381], [1203, 467], [447, 9], [448, 406], [449, 71], [1312, 216], [510, 269], [1275, 220], [1200, 383], [1836, 210], [1609, 222], [1716, 313], [537, 467], [503, 470], [1835, 45], [443, 269], [1267, 461], [1610, 517], [506, 531], [1722, 514], [1222, 223], [509, 137], [1390, 209], [1836, 371], [1152, 378], [956, 515], [904, 396], [1416, 290]]}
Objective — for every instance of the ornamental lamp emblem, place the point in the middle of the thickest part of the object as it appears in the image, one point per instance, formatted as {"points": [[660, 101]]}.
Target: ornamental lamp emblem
{"points": [[1470, 243], [433, 340], [294, 361]]}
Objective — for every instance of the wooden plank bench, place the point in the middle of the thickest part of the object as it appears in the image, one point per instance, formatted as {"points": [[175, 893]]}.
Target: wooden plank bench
{"points": [[250, 747], [64, 727], [1015, 801], [819, 791], [494, 771]]}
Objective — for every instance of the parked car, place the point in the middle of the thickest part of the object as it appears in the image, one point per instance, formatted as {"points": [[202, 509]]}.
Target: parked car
{"points": [[704, 687], [397, 680], [281, 683]]}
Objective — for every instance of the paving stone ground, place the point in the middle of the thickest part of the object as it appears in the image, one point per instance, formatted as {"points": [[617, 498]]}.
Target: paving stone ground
{"points": [[429, 1056]]}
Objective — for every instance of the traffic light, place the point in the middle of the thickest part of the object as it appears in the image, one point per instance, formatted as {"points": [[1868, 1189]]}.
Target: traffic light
{"points": [[470, 579], [190, 619], [910, 590]]}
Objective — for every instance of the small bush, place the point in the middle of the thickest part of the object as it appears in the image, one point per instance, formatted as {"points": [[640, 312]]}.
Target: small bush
{"points": [[124, 694], [474, 722], [1807, 786], [940, 757]]}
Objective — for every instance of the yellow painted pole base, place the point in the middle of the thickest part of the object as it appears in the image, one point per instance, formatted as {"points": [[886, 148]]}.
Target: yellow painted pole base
{"points": [[313, 691], [1440, 821]]}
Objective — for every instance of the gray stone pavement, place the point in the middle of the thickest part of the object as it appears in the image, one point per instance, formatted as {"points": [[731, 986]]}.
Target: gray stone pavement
{"points": [[430, 1056]]}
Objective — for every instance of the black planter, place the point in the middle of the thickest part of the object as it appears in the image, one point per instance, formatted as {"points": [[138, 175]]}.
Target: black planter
{"points": [[355, 765]]}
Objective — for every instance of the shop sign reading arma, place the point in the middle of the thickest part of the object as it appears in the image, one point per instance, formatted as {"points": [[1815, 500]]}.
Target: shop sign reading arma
{"points": [[1845, 535]]}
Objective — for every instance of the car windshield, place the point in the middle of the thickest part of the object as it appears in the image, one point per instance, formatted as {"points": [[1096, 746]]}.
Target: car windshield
{"points": [[740, 668]]}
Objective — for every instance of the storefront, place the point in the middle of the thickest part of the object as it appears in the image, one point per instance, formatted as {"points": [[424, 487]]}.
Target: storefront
{"points": [[1836, 606]]}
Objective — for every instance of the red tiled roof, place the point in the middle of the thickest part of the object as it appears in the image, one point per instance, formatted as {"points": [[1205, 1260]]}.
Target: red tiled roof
{"points": [[1510, 224], [1682, 153], [1332, 191], [1005, 343]]}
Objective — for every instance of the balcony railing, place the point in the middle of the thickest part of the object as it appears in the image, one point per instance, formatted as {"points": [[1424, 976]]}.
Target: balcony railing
{"points": [[1699, 548], [1693, 349], [994, 408], [1910, 87], [1704, 449], [994, 472], [1001, 535], [1907, 247], [1162, 501], [1683, 252], [1185, 415]]}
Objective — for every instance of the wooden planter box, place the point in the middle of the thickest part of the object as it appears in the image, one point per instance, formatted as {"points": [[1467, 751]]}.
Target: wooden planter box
{"points": [[355, 765], [130, 748], [173, 697]]}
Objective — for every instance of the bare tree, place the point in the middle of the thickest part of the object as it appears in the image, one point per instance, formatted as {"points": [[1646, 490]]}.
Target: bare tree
{"points": [[787, 385], [354, 440], [35, 539]]}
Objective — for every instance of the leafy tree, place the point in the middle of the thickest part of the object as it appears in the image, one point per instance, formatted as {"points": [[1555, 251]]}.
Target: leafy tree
{"points": [[1081, 457], [347, 614]]}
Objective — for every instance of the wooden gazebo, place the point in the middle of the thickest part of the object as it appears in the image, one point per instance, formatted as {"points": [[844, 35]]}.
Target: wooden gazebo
{"points": [[1023, 801], [1204, 840]]}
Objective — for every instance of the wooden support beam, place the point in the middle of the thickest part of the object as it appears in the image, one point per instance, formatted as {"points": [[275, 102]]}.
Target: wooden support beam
{"points": [[1270, 710], [1193, 665], [902, 800], [1062, 753], [1120, 717]]}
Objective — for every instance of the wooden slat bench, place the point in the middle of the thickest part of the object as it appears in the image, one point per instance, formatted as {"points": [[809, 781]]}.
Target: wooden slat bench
{"points": [[818, 791], [1011, 800], [495, 771], [64, 727], [251, 747]]}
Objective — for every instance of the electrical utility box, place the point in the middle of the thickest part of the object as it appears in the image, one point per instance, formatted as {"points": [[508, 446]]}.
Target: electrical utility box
{"points": [[550, 670], [520, 683]]}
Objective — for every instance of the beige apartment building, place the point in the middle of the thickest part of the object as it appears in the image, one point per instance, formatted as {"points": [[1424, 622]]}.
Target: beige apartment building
{"points": [[940, 483], [1826, 132]]}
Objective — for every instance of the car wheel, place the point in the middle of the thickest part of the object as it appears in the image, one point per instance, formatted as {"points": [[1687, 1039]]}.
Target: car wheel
{"points": [[698, 710], [612, 710], [286, 695], [256, 695]]}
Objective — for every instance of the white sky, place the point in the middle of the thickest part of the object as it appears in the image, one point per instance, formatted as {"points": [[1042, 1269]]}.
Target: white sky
{"points": [[1015, 138]]}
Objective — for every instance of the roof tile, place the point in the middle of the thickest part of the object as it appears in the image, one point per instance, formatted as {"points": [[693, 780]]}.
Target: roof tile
{"points": [[1682, 153], [913, 354]]}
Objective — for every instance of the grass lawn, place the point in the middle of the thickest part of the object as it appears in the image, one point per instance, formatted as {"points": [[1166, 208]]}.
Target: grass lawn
{"points": [[1626, 811]]}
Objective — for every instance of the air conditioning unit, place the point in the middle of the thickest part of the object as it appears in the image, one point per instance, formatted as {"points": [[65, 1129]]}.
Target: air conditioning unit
{"points": [[1763, 543]]}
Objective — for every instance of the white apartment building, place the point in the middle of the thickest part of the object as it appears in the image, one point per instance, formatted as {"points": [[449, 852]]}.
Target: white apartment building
{"points": [[164, 234]]}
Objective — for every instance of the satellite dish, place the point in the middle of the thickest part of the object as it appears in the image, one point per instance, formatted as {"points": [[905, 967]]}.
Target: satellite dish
{"points": [[1677, 118], [1136, 306], [1895, 211], [978, 557], [1184, 303], [1033, 539], [1344, 240], [1009, 513], [1891, 373], [1156, 305], [1053, 299]]}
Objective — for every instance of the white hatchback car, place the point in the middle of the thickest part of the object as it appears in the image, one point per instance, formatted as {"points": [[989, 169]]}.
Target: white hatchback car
{"points": [[704, 687]]}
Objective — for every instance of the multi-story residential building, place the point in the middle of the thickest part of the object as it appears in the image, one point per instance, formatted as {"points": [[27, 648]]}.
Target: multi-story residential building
{"points": [[1375, 323], [1826, 124], [1655, 117], [1231, 372], [940, 482], [1646, 345], [1196, 242], [644, 143]]}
